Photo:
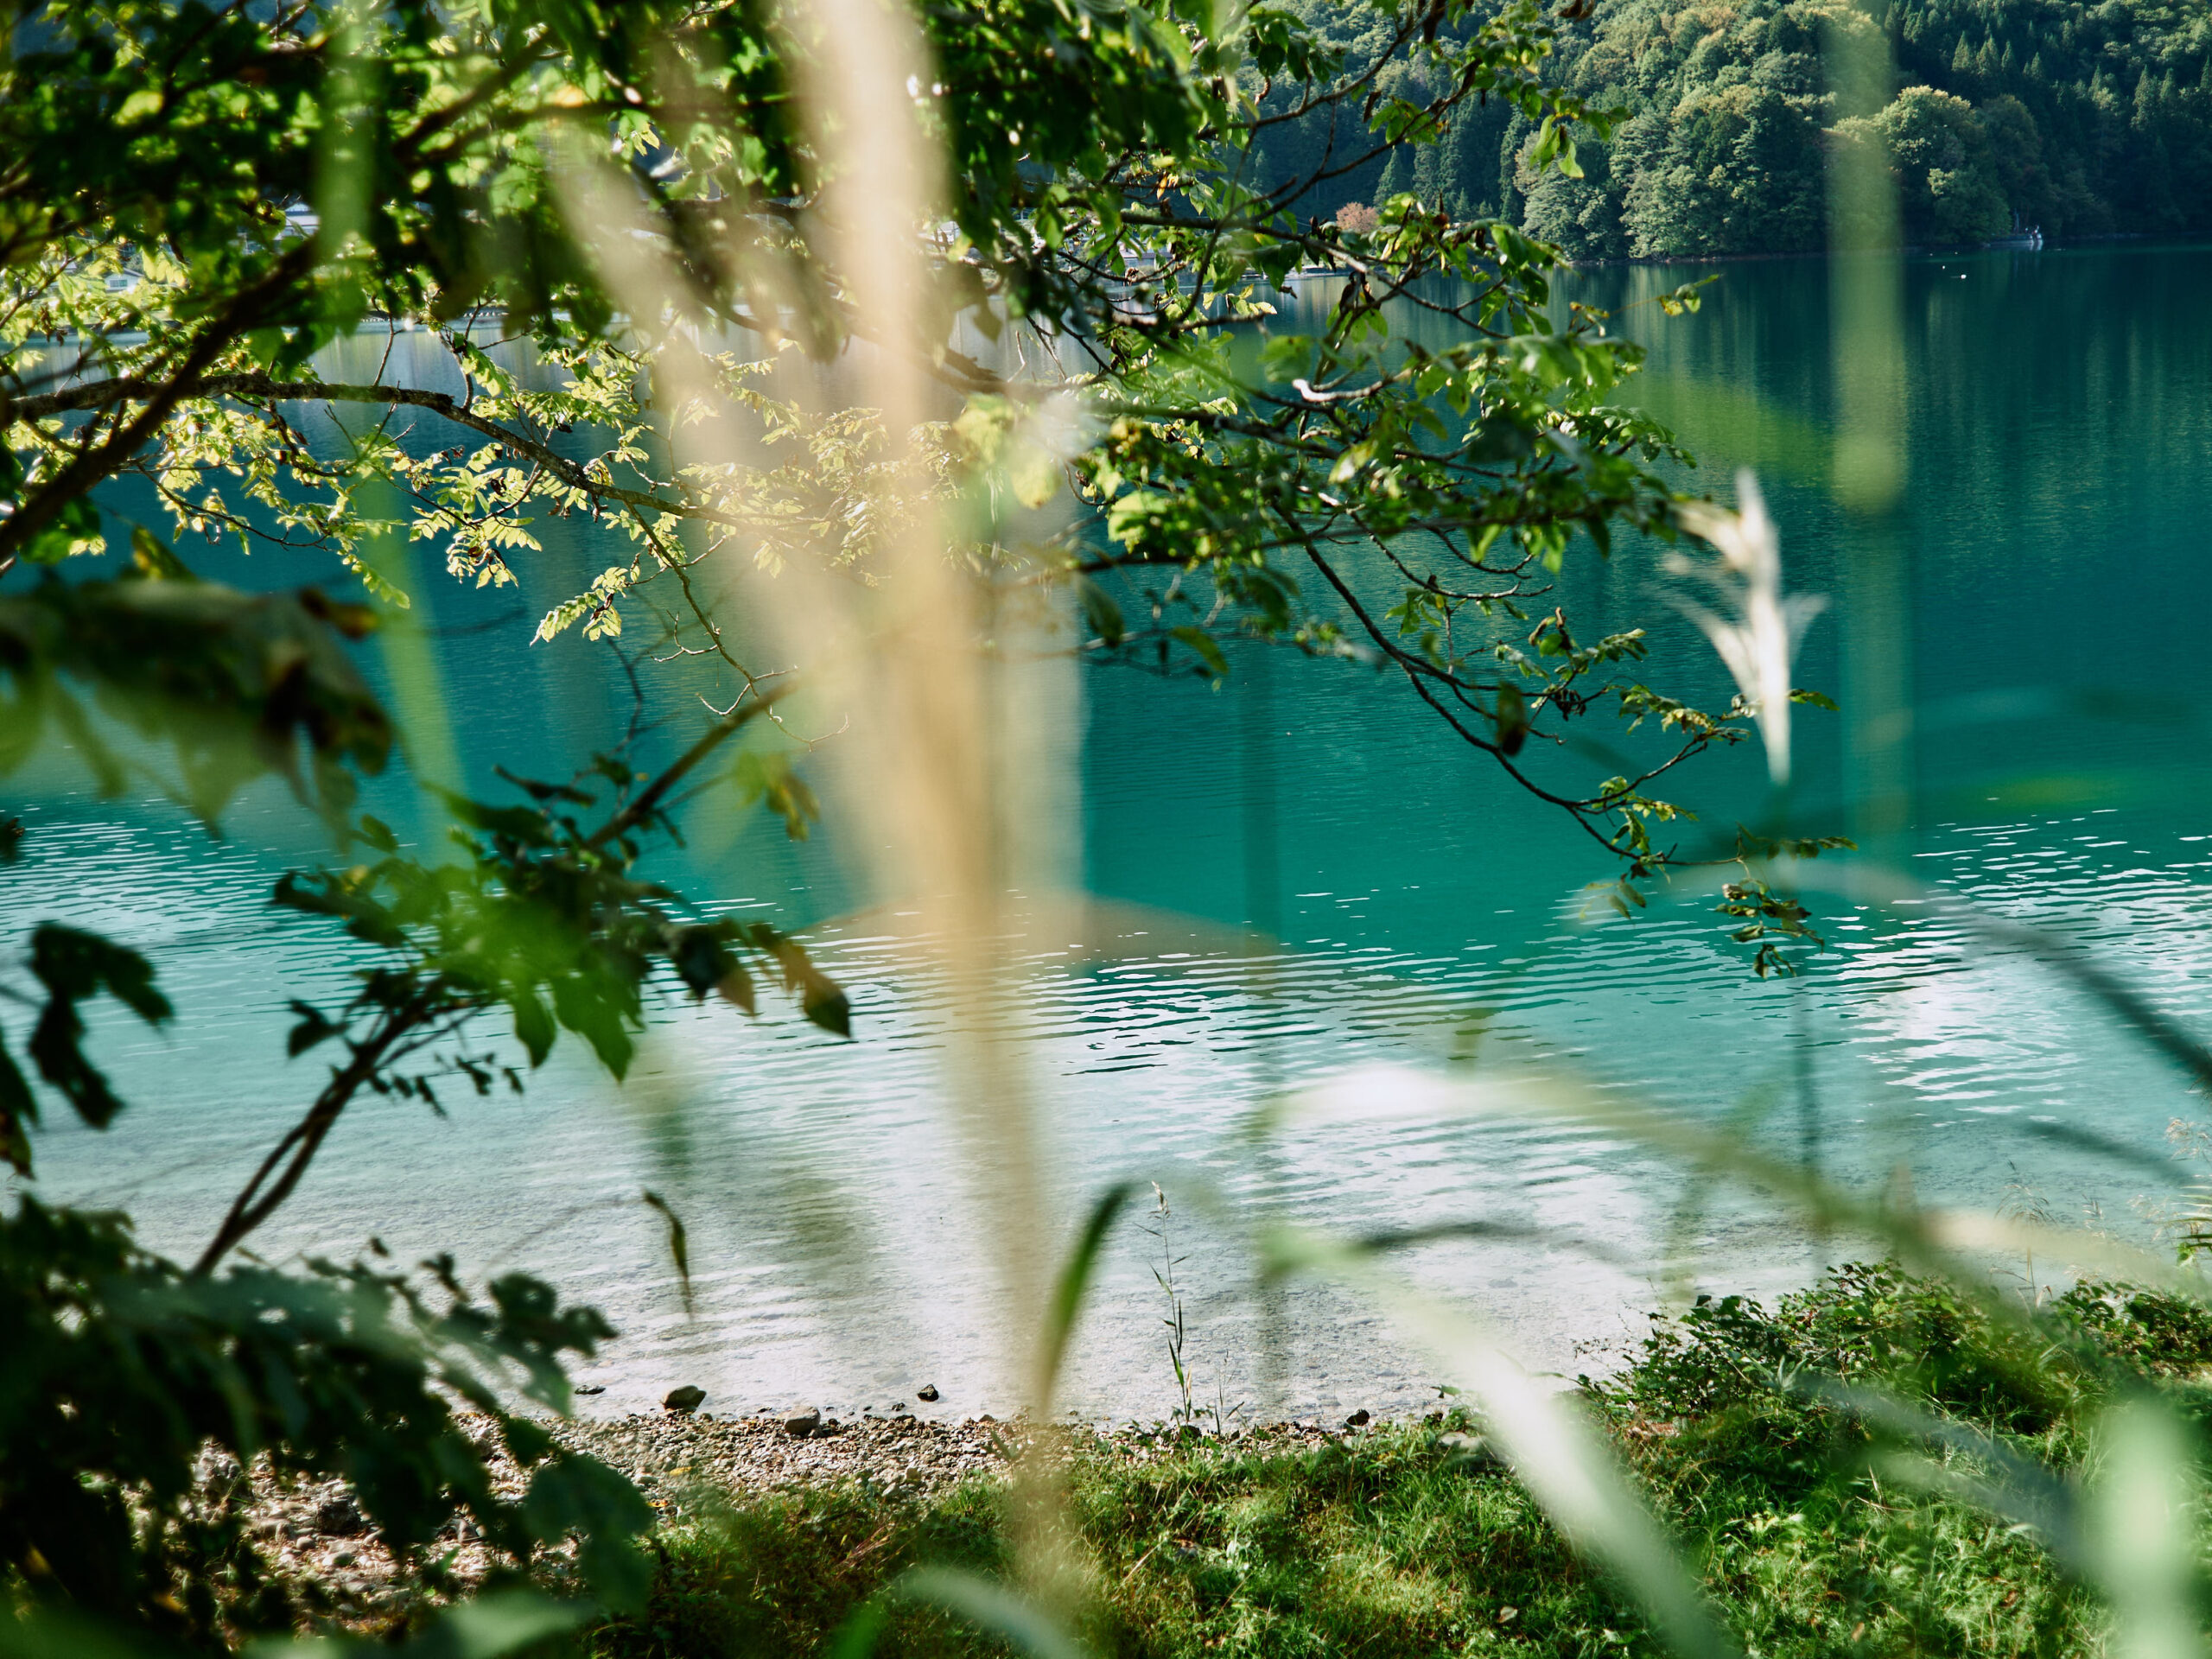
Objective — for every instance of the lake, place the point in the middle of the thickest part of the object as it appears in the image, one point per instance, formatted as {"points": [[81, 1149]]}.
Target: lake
{"points": [[1301, 877]]}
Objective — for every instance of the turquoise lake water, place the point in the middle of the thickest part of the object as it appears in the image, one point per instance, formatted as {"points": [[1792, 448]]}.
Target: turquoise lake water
{"points": [[2019, 644]]}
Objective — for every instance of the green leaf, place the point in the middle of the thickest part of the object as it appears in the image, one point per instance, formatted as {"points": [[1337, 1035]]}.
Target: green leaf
{"points": [[521, 824], [1511, 718], [573, 1493], [857, 1637], [735, 988], [1348, 464], [73, 966], [152, 557], [1101, 612], [700, 957], [492, 1626], [18, 1111], [236, 684], [495, 1625], [1209, 652], [585, 1010], [74, 530], [314, 1027], [1074, 1282], [533, 1024], [54, 1633], [678, 1247], [827, 1006], [993, 1608], [769, 776]]}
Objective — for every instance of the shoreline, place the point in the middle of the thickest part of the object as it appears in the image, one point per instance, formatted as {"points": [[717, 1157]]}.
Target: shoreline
{"points": [[686, 1464]]}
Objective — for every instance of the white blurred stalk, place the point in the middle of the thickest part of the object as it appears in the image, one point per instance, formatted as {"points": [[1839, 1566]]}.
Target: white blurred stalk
{"points": [[1870, 464], [930, 736], [1865, 275], [2144, 1516], [1758, 641]]}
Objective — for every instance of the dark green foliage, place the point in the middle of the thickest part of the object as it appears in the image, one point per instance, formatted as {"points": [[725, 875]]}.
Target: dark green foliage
{"points": [[1938, 153], [122, 1369], [547, 919], [73, 967], [542, 918], [2155, 1332], [1921, 1339], [779, 1575], [1735, 168], [1865, 1326], [124, 1373], [1327, 158], [1582, 213], [2081, 119], [1135, 176], [236, 684], [134, 1393]]}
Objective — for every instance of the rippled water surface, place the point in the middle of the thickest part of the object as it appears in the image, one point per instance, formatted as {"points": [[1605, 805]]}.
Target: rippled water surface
{"points": [[1300, 878]]}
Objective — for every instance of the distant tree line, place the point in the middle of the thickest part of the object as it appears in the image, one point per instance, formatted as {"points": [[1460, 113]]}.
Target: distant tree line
{"points": [[2082, 120]]}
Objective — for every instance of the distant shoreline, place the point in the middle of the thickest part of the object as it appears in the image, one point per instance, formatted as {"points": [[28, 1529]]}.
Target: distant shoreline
{"points": [[1945, 249]]}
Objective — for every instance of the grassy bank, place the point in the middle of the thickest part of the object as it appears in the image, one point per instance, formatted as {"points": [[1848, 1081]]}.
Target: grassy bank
{"points": [[1812, 1526]]}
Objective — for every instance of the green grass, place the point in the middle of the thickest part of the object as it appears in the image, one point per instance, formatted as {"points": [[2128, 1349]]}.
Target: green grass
{"points": [[1388, 1543]]}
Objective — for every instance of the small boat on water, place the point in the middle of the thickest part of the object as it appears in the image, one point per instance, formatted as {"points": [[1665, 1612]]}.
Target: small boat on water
{"points": [[2025, 239]]}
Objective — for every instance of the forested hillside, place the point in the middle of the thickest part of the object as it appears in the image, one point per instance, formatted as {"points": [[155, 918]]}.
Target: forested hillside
{"points": [[2084, 119]]}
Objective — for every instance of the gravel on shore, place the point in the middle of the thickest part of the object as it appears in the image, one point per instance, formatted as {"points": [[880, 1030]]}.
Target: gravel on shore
{"points": [[667, 1453]]}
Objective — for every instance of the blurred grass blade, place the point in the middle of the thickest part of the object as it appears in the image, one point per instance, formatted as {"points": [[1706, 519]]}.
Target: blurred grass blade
{"points": [[857, 1637], [679, 1247], [495, 1625], [1383, 1239], [2023, 1490], [491, 1627], [2143, 1531], [2160, 1166], [1938, 1242], [992, 1608], [1069, 1289], [2061, 955], [46, 1633], [1555, 1450]]}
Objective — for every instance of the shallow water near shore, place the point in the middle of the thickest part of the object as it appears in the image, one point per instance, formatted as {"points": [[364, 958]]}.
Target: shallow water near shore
{"points": [[1303, 876]]}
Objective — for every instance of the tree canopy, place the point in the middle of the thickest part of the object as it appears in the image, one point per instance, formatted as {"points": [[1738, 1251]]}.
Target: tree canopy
{"points": [[2084, 120], [1347, 492]]}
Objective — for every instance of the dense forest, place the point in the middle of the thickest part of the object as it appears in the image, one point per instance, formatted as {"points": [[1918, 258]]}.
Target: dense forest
{"points": [[2082, 120]]}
